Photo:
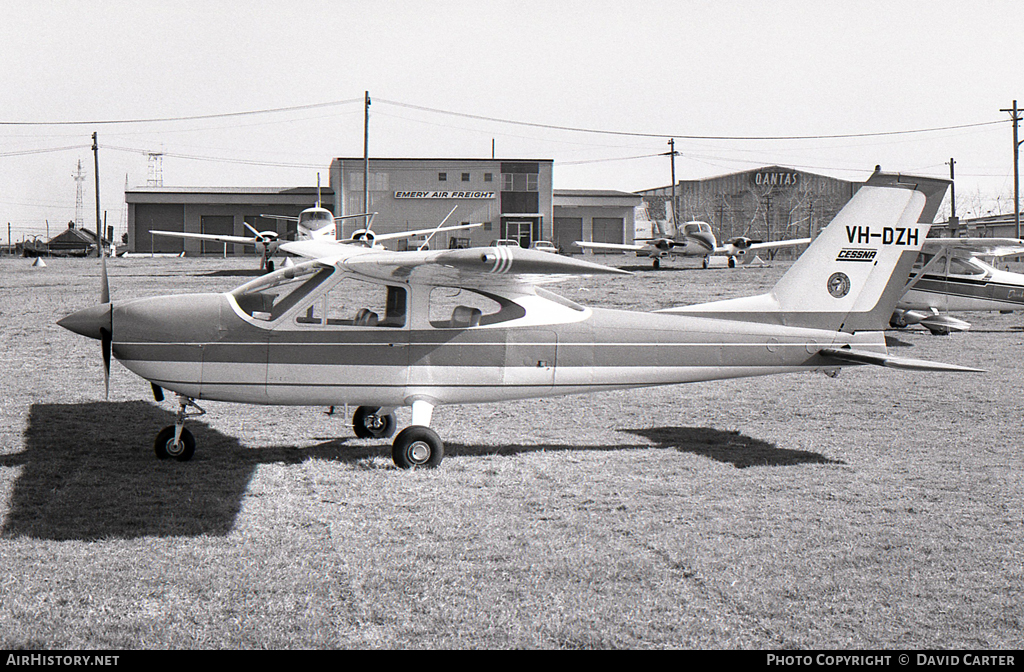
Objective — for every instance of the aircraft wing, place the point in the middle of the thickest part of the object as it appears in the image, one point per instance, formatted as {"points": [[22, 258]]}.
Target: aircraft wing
{"points": [[422, 232], [851, 356], [241, 240], [753, 247], [982, 247], [480, 267], [609, 246]]}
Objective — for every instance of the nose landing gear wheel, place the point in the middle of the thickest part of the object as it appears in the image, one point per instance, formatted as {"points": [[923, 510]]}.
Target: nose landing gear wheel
{"points": [[367, 424], [417, 446], [165, 447]]}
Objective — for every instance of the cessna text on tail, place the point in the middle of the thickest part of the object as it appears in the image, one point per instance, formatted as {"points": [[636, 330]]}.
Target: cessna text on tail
{"points": [[381, 330]]}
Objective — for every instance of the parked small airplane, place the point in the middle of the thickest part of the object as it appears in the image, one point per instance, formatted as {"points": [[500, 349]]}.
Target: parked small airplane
{"points": [[380, 329], [695, 239], [949, 276], [318, 224]]}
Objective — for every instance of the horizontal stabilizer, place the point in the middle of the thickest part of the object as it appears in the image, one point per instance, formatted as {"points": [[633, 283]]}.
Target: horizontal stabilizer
{"points": [[879, 359]]}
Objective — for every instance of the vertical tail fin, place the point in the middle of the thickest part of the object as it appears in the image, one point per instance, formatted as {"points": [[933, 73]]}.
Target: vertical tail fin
{"points": [[852, 275]]}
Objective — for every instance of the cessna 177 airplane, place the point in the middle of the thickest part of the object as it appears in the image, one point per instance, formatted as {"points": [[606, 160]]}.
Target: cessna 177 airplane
{"points": [[381, 330], [695, 240], [950, 276]]}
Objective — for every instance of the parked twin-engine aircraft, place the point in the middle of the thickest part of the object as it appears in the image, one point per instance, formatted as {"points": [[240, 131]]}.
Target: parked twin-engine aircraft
{"points": [[318, 224], [381, 330], [312, 223], [949, 276], [695, 239]]}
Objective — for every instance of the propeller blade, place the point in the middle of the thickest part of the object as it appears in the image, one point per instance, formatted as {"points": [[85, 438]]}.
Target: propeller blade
{"points": [[254, 231], [158, 392], [105, 341], [105, 287], [105, 334]]}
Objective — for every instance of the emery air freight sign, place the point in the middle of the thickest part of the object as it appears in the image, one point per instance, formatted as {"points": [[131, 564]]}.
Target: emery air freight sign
{"points": [[445, 194]]}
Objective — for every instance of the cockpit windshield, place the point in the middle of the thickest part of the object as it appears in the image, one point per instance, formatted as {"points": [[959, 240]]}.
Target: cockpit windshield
{"points": [[270, 296], [696, 227], [314, 219]]}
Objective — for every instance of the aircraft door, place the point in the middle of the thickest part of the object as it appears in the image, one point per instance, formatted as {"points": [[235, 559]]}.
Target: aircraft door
{"points": [[235, 366], [348, 345]]}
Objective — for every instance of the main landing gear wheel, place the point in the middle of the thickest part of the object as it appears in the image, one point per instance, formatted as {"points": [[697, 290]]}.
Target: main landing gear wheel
{"points": [[705, 262], [656, 263], [732, 262], [367, 424], [417, 446], [166, 447]]}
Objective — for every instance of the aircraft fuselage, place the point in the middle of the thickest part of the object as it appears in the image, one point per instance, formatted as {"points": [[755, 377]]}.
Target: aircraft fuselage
{"points": [[978, 286], [216, 350]]}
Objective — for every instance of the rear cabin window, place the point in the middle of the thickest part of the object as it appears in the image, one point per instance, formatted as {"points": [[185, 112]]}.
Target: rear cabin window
{"points": [[357, 303], [961, 267], [460, 308]]}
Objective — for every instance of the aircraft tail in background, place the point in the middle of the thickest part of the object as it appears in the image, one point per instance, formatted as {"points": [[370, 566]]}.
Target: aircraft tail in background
{"points": [[853, 274]]}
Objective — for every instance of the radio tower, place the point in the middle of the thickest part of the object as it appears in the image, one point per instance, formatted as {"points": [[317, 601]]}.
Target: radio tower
{"points": [[79, 179], [155, 178]]}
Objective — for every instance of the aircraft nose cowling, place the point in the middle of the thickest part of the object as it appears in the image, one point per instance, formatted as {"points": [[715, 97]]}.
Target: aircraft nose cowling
{"points": [[89, 321]]}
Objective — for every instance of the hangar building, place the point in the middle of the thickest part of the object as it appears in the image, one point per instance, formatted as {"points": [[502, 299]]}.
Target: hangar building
{"points": [[770, 203], [513, 199]]}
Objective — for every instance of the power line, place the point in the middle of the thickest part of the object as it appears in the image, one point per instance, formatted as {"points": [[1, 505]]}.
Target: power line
{"points": [[690, 137], [504, 121], [27, 152], [216, 159], [185, 118]]}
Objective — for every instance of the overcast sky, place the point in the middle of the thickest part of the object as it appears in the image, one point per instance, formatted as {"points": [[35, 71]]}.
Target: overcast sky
{"points": [[641, 72]]}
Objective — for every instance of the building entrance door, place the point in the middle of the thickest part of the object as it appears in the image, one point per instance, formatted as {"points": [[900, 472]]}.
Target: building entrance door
{"points": [[520, 231]]}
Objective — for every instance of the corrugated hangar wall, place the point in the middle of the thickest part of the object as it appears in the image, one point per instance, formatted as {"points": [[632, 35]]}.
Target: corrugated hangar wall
{"points": [[771, 203]]}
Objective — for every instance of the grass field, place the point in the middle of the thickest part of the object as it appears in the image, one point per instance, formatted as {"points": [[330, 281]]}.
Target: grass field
{"points": [[879, 509]]}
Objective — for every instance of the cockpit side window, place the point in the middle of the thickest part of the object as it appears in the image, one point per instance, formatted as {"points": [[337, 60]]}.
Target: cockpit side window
{"points": [[357, 303], [270, 296]]}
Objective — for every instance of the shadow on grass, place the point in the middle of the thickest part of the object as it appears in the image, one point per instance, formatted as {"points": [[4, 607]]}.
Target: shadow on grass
{"points": [[722, 446], [892, 341], [234, 272], [89, 472], [729, 447]]}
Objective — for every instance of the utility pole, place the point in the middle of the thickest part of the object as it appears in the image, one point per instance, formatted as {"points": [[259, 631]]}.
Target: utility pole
{"points": [[672, 153], [366, 156], [99, 224], [953, 222], [1015, 117]]}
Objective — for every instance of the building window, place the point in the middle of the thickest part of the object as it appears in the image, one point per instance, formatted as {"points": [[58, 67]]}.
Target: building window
{"points": [[465, 177], [520, 181], [488, 177], [442, 177]]}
